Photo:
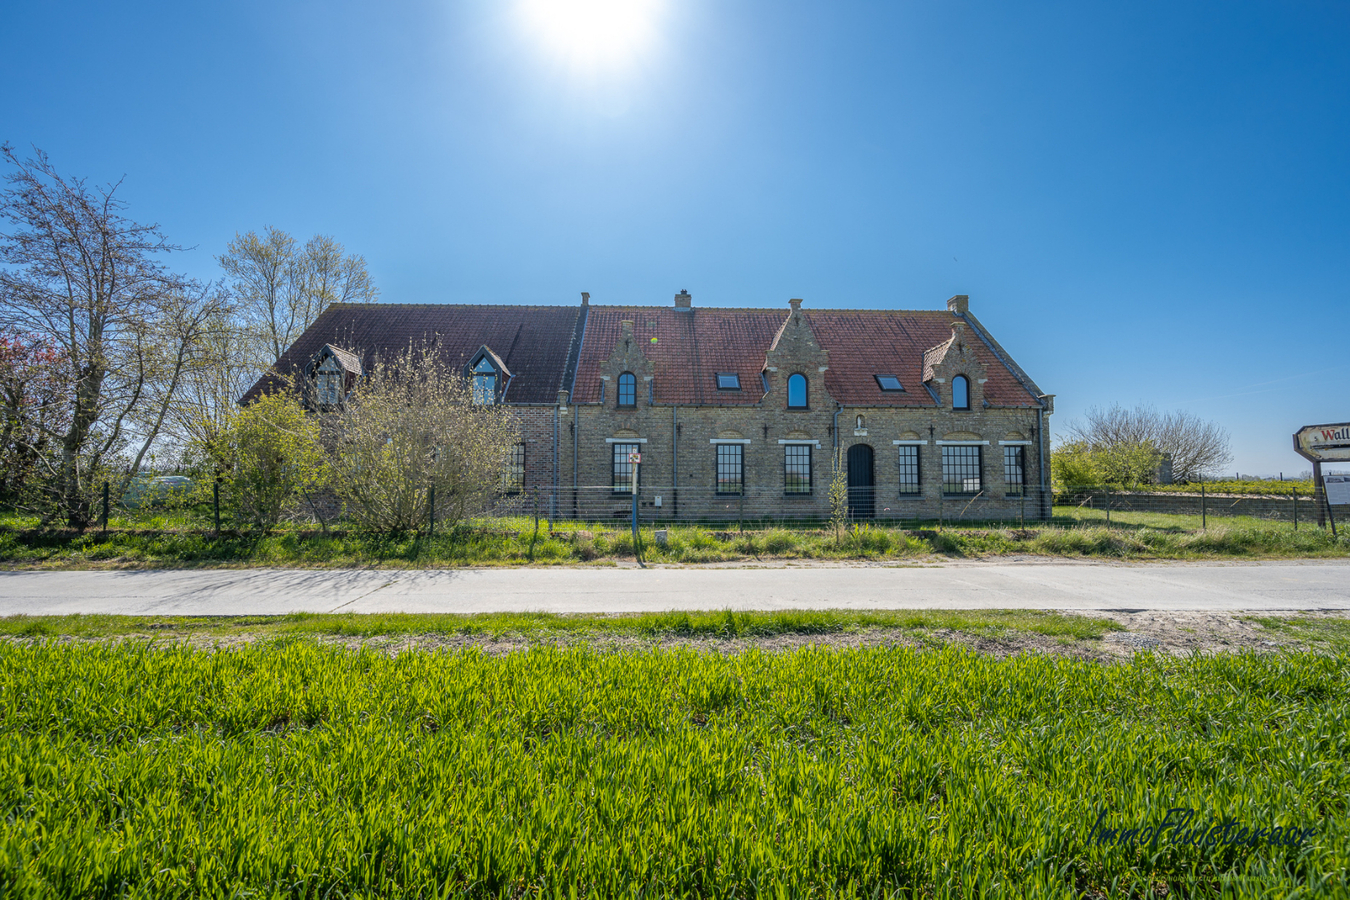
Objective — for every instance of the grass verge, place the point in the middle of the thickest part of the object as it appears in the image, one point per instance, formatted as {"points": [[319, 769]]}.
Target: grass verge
{"points": [[1131, 536], [299, 770], [542, 626], [1332, 634]]}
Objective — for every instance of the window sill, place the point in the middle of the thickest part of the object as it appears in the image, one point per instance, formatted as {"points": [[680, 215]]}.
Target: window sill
{"points": [[947, 496], [720, 494]]}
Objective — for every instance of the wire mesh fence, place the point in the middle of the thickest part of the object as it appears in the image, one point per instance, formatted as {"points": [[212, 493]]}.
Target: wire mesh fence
{"points": [[1298, 506], [214, 508]]}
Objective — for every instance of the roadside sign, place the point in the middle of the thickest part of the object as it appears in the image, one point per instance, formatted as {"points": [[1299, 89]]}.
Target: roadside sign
{"points": [[635, 457], [1337, 488], [1323, 443]]}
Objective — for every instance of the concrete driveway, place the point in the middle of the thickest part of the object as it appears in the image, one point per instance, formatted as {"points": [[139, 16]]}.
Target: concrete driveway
{"points": [[1299, 585]]}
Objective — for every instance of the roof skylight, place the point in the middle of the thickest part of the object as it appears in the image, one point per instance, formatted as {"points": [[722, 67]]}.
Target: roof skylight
{"points": [[888, 383], [728, 381]]}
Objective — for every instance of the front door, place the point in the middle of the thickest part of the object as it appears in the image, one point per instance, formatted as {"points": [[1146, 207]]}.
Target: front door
{"points": [[860, 486]]}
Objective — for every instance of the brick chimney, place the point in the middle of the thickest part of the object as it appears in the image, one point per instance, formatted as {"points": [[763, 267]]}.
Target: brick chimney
{"points": [[683, 300], [585, 299], [960, 304]]}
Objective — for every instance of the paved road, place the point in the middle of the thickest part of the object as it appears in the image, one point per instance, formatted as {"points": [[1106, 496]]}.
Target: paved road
{"points": [[1272, 586]]}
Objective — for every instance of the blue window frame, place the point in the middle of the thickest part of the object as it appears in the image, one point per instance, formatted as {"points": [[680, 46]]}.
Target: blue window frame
{"points": [[960, 392], [628, 389], [798, 395], [484, 383]]}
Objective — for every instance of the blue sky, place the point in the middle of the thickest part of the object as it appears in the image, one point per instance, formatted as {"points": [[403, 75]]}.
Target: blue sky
{"points": [[1145, 201]]}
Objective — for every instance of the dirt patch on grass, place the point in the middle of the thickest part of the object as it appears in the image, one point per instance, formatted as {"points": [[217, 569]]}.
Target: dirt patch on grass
{"points": [[1171, 633]]}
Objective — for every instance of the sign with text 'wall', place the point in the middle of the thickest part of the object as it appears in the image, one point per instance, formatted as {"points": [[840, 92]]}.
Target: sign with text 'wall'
{"points": [[1324, 443]]}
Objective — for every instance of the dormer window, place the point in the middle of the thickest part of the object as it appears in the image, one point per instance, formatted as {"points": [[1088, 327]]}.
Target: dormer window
{"points": [[888, 383], [628, 389], [329, 380], [728, 381], [332, 372], [484, 383], [960, 392]]}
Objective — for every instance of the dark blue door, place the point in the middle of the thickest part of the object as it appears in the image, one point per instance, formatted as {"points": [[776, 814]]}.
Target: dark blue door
{"points": [[861, 489]]}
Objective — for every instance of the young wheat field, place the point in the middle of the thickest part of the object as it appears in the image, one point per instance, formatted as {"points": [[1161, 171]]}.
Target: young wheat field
{"points": [[294, 769]]}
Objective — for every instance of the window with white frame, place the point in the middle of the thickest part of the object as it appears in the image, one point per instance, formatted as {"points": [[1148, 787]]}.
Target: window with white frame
{"points": [[797, 468], [330, 377], [1013, 472], [909, 468], [623, 466], [513, 477], [961, 469], [730, 468]]}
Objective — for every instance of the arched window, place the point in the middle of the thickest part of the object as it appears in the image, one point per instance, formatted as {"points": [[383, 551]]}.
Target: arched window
{"points": [[960, 392], [797, 396], [484, 383], [628, 389]]}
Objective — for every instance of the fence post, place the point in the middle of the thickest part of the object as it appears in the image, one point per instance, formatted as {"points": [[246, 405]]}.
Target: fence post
{"points": [[215, 504], [431, 511], [105, 508], [1107, 501], [1204, 518], [536, 509], [1295, 503]]}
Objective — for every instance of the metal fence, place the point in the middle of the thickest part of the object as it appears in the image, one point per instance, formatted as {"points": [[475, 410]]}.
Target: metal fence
{"points": [[760, 508], [1300, 506], [764, 507]]}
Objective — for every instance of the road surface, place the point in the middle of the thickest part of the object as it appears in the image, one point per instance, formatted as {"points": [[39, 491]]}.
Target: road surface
{"points": [[1297, 585]]}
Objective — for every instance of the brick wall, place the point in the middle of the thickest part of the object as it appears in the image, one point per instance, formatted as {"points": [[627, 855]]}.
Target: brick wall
{"points": [[679, 453]]}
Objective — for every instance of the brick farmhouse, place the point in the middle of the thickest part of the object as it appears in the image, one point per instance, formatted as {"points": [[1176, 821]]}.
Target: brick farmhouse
{"points": [[734, 412]]}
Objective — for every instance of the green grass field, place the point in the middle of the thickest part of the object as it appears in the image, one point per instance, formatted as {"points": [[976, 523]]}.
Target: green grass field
{"points": [[1073, 532], [296, 770]]}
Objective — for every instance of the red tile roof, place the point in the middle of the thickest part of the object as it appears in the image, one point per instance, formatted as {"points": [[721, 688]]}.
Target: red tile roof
{"points": [[692, 346], [538, 344], [532, 341]]}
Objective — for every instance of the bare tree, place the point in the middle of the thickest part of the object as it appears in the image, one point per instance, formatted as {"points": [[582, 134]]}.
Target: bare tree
{"points": [[412, 425], [281, 287], [1197, 448], [82, 277]]}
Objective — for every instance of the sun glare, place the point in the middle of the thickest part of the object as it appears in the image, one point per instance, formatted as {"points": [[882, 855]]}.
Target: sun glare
{"points": [[593, 33]]}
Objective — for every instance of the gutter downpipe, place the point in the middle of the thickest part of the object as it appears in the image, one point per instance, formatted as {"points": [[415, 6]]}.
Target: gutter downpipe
{"points": [[576, 428], [553, 503], [838, 408], [675, 460], [1047, 503]]}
